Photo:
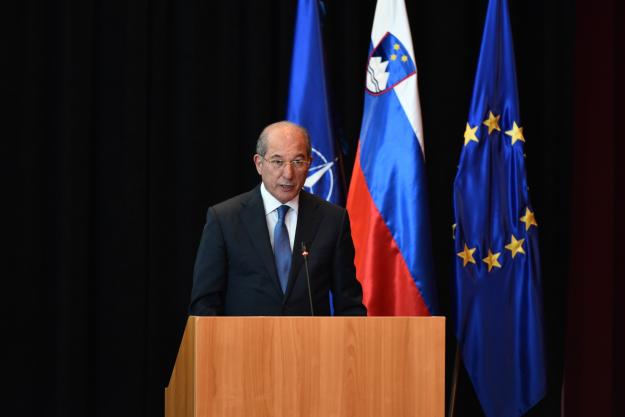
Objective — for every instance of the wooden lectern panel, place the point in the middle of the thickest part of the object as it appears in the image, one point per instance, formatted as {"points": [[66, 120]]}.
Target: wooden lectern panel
{"points": [[180, 394], [310, 366]]}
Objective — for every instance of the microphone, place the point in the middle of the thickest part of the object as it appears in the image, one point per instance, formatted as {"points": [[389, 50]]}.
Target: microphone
{"points": [[305, 255]]}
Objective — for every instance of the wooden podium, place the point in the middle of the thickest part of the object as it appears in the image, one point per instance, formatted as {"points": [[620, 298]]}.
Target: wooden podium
{"points": [[309, 366]]}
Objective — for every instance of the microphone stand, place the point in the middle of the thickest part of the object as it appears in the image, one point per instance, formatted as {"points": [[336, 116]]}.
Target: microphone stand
{"points": [[305, 255]]}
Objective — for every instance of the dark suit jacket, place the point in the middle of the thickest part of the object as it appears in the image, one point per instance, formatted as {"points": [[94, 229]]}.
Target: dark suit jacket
{"points": [[235, 272]]}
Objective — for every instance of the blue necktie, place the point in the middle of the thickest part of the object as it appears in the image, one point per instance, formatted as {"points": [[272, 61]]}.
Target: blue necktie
{"points": [[282, 248]]}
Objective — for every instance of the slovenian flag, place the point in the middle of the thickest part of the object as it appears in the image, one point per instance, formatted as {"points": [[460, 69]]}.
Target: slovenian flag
{"points": [[387, 200]]}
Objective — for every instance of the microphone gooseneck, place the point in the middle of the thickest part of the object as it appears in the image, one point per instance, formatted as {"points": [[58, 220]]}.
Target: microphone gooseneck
{"points": [[305, 255]]}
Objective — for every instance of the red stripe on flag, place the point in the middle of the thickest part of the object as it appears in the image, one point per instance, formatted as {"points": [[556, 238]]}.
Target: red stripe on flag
{"points": [[388, 287]]}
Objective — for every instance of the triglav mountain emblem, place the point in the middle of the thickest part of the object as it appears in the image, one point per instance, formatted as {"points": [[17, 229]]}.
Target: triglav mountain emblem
{"points": [[389, 64]]}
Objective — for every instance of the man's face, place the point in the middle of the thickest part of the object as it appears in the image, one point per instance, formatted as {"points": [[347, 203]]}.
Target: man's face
{"points": [[286, 144]]}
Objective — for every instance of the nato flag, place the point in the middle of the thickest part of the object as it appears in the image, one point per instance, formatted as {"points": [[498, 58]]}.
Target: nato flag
{"points": [[497, 297], [308, 104]]}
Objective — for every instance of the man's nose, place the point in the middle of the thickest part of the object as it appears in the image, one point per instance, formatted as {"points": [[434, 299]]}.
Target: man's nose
{"points": [[288, 171]]}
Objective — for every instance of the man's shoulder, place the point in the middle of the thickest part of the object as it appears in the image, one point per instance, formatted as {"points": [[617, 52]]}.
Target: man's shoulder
{"points": [[234, 204], [326, 207]]}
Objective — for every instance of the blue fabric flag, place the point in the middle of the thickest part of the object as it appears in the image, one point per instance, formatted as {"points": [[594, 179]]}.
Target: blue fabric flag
{"points": [[497, 296], [308, 104], [387, 199]]}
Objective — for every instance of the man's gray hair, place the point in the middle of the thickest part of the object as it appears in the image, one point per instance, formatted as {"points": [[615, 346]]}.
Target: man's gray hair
{"points": [[261, 143]]}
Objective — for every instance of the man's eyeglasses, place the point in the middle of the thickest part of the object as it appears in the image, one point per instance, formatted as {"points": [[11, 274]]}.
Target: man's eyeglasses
{"points": [[298, 164]]}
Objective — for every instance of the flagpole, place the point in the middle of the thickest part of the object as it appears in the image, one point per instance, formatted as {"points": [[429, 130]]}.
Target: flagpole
{"points": [[454, 384]]}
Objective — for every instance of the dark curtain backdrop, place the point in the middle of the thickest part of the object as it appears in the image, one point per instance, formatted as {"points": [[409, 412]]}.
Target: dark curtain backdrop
{"points": [[595, 339], [125, 120]]}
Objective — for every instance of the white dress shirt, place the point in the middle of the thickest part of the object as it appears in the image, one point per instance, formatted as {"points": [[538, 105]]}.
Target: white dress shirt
{"points": [[271, 214]]}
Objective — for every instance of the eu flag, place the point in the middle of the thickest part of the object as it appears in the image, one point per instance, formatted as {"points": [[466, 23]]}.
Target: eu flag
{"points": [[309, 106], [497, 296]]}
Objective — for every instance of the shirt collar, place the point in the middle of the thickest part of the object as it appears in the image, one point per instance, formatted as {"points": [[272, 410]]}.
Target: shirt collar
{"points": [[271, 203]]}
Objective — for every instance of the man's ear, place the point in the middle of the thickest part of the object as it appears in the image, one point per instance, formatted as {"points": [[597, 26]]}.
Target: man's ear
{"points": [[258, 161]]}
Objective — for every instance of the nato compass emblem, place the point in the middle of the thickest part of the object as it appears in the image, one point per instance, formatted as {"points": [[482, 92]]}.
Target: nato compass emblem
{"points": [[320, 180], [389, 64]]}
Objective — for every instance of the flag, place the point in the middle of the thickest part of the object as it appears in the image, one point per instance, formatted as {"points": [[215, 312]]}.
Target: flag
{"points": [[496, 293], [308, 104], [387, 200]]}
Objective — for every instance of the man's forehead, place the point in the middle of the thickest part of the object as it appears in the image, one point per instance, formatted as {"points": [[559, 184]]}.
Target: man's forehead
{"points": [[286, 143], [283, 152]]}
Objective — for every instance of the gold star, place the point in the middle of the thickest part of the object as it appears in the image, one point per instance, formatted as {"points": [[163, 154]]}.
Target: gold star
{"points": [[491, 260], [453, 231], [393, 57], [404, 58], [467, 255], [469, 134], [492, 122], [529, 219], [396, 47], [515, 246], [516, 133]]}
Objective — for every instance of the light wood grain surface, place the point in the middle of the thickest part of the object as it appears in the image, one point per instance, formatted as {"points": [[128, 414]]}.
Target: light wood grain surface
{"points": [[313, 366]]}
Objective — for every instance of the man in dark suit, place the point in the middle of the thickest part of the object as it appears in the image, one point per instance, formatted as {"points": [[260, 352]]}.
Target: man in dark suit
{"points": [[250, 258]]}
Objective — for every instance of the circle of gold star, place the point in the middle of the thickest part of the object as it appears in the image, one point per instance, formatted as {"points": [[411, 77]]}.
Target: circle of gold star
{"points": [[467, 255], [516, 133], [529, 219], [492, 122], [469, 134], [515, 246], [491, 260]]}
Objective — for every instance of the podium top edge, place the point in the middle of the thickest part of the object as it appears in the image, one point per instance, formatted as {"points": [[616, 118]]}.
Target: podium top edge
{"points": [[321, 317]]}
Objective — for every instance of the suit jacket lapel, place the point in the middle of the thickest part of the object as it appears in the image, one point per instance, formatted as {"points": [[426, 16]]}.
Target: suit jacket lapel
{"points": [[308, 219], [253, 217]]}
